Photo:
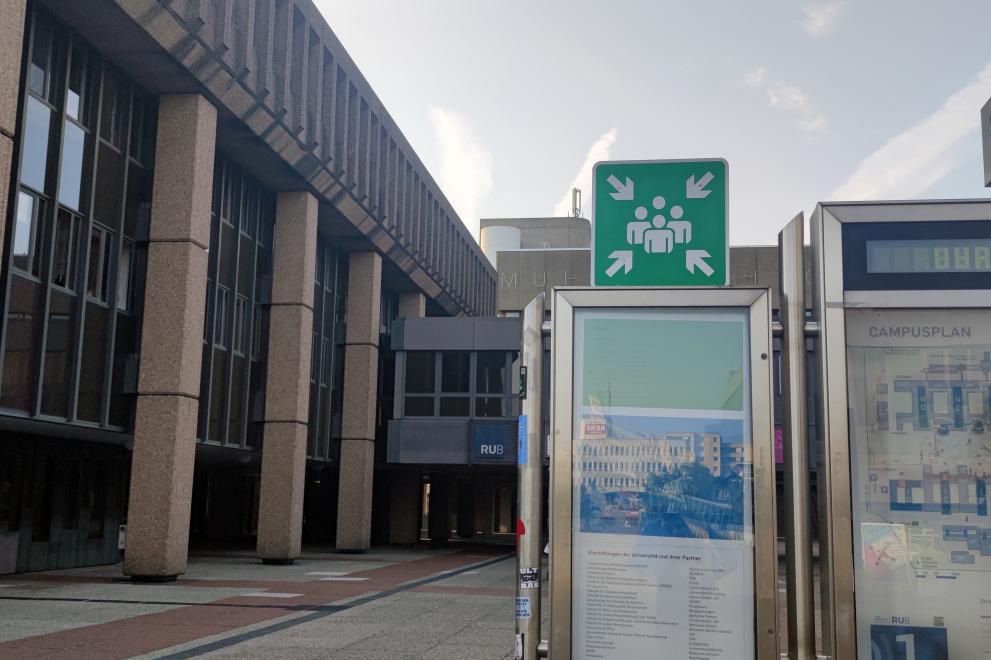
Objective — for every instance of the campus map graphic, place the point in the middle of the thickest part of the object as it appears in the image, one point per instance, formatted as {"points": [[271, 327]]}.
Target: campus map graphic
{"points": [[928, 460]]}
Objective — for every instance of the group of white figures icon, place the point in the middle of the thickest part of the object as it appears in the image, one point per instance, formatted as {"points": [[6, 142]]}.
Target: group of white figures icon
{"points": [[660, 235]]}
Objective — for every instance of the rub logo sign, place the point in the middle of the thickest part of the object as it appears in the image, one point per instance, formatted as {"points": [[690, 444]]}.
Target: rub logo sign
{"points": [[491, 450]]}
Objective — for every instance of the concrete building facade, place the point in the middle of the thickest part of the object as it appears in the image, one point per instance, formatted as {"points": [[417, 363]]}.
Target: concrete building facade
{"points": [[210, 222]]}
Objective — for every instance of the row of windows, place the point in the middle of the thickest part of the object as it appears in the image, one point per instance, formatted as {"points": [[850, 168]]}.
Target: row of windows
{"points": [[327, 355], [70, 334], [235, 327], [458, 384]]}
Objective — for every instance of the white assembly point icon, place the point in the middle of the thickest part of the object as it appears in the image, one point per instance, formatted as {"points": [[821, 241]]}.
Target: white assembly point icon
{"points": [[623, 259], [624, 192], [696, 189], [696, 259]]}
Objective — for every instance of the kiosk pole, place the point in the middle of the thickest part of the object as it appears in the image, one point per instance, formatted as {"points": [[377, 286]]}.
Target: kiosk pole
{"points": [[531, 465], [798, 538]]}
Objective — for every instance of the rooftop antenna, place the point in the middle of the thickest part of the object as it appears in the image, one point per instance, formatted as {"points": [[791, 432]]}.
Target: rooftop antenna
{"points": [[576, 202]]}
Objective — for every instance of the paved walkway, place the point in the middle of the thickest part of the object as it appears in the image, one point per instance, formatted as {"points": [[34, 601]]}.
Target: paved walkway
{"points": [[388, 604]]}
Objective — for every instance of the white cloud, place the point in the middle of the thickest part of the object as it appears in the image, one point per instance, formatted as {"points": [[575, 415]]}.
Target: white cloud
{"points": [[465, 173], [788, 98], [755, 77], [820, 19], [909, 163], [583, 179]]}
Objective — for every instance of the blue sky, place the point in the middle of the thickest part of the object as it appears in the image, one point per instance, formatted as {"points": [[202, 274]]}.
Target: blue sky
{"points": [[510, 103]]}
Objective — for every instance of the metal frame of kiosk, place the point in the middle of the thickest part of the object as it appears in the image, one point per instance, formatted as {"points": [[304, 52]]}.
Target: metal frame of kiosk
{"points": [[757, 303], [864, 288]]}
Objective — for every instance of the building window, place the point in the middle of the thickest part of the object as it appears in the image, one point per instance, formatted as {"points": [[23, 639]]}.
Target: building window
{"points": [[73, 237], [327, 360], [238, 292], [457, 384]]}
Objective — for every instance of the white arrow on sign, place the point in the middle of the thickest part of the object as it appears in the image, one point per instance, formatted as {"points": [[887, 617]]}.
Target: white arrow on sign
{"points": [[623, 192], [695, 190], [696, 258], [624, 260]]}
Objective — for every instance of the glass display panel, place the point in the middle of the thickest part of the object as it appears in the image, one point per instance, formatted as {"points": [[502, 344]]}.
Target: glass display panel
{"points": [[920, 461], [662, 499]]}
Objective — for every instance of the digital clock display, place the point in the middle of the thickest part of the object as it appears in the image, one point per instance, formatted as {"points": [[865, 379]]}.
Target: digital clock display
{"points": [[955, 255]]}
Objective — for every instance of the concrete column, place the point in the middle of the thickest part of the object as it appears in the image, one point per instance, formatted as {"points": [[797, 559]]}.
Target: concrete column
{"points": [[361, 353], [11, 45], [172, 339], [412, 305], [405, 486], [287, 389]]}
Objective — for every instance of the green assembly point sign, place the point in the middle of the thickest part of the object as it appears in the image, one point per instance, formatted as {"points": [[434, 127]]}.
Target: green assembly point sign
{"points": [[660, 223]]}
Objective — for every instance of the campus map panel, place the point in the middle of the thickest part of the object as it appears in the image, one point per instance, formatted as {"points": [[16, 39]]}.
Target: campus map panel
{"points": [[920, 450], [662, 488]]}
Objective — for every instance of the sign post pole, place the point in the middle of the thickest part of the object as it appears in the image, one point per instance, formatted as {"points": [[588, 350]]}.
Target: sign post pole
{"points": [[530, 459], [798, 532]]}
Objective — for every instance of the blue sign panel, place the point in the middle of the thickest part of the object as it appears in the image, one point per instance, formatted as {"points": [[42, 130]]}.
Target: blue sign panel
{"points": [[490, 442], [908, 643]]}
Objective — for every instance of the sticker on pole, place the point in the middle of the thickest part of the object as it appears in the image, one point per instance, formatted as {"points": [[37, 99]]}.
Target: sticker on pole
{"points": [[519, 646], [523, 607], [529, 578], [660, 223], [521, 440]]}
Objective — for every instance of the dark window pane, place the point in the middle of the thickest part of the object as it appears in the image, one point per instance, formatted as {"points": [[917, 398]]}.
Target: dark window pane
{"points": [[58, 352], [240, 318], [221, 316], [22, 344], [138, 200], [420, 372], [454, 371], [234, 415], [124, 274], [26, 253], [454, 406], [64, 260], [109, 187], [419, 406], [92, 364], [71, 170], [40, 67], [490, 372], [218, 394], [490, 406], [110, 120], [125, 349], [84, 74], [34, 159]]}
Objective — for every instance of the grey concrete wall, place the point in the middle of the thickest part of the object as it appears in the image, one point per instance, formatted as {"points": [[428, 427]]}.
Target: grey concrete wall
{"points": [[524, 274], [542, 233], [172, 339]]}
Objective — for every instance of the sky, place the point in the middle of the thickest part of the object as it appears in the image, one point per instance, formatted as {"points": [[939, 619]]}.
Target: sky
{"points": [[509, 104]]}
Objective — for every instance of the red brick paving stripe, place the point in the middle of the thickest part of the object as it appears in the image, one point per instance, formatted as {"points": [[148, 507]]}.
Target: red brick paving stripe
{"points": [[151, 632]]}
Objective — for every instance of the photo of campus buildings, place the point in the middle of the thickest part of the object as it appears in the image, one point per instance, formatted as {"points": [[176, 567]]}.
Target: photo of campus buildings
{"points": [[639, 476]]}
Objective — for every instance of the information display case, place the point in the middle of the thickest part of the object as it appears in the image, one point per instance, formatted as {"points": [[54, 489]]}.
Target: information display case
{"points": [[903, 296], [662, 475]]}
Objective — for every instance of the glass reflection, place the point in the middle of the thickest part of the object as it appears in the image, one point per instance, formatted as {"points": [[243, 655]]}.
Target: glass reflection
{"points": [[34, 158]]}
